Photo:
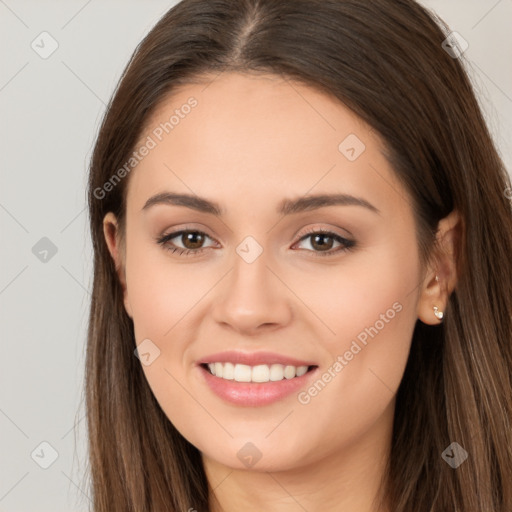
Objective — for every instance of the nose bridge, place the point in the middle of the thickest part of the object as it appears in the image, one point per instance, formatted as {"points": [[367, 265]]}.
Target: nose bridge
{"points": [[250, 266], [252, 295], [249, 281]]}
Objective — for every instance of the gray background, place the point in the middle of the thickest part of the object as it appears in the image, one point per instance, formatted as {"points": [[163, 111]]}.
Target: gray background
{"points": [[50, 110]]}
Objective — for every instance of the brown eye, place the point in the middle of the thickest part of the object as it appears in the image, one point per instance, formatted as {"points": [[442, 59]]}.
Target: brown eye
{"points": [[322, 242], [192, 239], [318, 241]]}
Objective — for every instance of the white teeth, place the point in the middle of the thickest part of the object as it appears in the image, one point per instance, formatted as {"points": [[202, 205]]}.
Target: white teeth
{"points": [[261, 373], [289, 372], [258, 373], [228, 371], [276, 372], [242, 373], [301, 370]]}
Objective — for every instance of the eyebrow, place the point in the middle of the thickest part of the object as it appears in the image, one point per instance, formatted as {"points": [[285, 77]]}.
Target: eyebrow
{"points": [[286, 207]]}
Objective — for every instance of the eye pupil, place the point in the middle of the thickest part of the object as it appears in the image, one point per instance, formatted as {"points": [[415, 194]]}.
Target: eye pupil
{"points": [[195, 238], [322, 245]]}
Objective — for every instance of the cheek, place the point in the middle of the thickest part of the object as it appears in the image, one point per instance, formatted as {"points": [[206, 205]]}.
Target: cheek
{"points": [[374, 287], [164, 295], [368, 317], [161, 291]]}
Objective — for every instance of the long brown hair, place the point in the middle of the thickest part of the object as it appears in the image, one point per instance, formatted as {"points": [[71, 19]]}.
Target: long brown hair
{"points": [[383, 59]]}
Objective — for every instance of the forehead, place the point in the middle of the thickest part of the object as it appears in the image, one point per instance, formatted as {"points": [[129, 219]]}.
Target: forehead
{"points": [[258, 137]]}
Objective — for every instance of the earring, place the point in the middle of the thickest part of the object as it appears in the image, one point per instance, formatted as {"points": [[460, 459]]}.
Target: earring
{"points": [[439, 314]]}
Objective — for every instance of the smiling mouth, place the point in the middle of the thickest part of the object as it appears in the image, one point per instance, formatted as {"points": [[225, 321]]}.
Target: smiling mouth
{"points": [[256, 374]]}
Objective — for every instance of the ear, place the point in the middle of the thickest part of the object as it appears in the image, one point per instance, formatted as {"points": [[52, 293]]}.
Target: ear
{"points": [[112, 238], [436, 292]]}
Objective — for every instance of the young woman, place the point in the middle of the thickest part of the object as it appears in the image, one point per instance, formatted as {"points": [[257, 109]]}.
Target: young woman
{"points": [[302, 274]]}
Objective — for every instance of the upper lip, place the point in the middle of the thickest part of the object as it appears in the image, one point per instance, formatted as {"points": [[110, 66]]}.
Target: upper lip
{"points": [[253, 358]]}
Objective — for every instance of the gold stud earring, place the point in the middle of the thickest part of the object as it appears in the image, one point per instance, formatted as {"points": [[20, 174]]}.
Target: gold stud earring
{"points": [[439, 314]]}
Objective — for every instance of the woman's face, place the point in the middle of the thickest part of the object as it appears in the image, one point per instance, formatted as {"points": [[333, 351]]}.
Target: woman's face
{"points": [[261, 279]]}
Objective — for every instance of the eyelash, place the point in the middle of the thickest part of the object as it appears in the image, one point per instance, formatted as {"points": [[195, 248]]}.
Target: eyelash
{"points": [[347, 245]]}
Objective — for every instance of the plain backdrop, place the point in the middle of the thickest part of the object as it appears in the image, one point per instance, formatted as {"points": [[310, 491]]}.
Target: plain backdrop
{"points": [[50, 112]]}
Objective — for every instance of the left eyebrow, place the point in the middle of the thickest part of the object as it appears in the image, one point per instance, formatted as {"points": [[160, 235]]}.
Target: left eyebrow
{"points": [[286, 207], [306, 203]]}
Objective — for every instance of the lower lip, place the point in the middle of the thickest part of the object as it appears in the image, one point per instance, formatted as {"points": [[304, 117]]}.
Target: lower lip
{"points": [[253, 394]]}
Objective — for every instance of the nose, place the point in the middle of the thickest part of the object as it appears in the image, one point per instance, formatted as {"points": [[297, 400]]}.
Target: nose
{"points": [[253, 297]]}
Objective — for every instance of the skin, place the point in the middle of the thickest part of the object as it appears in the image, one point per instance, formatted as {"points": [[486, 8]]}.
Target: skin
{"points": [[249, 143]]}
